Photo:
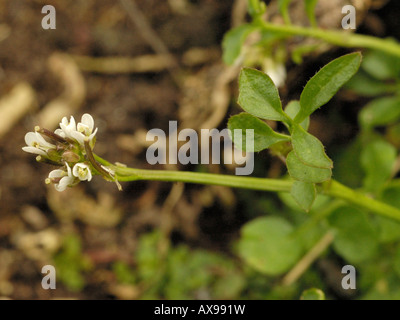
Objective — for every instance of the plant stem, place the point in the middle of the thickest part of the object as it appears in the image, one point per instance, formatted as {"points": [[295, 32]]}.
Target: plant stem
{"points": [[340, 38], [338, 190], [331, 188], [130, 174]]}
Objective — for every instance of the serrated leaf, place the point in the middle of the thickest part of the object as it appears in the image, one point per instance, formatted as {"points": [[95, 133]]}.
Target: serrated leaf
{"points": [[324, 85], [380, 112], [263, 137], [301, 172], [292, 109], [259, 96], [312, 294], [304, 194], [355, 239], [310, 11], [377, 160], [267, 245], [233, 42], [309, 149]]}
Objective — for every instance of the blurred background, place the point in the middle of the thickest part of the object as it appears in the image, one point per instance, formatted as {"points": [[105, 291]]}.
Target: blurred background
{"points": [[135, 65]]}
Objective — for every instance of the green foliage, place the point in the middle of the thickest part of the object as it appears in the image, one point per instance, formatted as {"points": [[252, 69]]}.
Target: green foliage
{"points": [[233, 42], [292, 109], [259, 96], [380, 112], [256, 8], [324, 85], [264, 136], [284, 9], [310, 11], [365, 85], [381, 66], [268, 246], [356, 240], [70, 263], [308, 162], [312, 294], [309, 149], [304, 194], [377, 159], [301, 172]]}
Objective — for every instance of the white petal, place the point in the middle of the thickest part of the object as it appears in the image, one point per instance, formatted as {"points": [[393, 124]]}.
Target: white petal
{"points": [[42, 141], [34, 150], [72, 123], [69, 171], [79, 168], [58, 173], [87, 120], [75, 170], [78, 137], [64, 183], [60, 133], [30, 138], [89, 175]]}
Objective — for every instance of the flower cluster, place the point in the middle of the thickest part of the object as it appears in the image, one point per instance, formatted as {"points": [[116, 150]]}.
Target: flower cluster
{"points": [[70, 148]]}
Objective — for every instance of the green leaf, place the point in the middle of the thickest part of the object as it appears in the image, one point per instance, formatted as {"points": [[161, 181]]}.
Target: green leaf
{"points": [[267, 245], [264, 136], [284, 9], [381, 66], [292, 109], [309, 149], [256, 8], [233, 42], [324, 85], [364, 85], [377, 160], [312, 294], [380, 112], [355, 239], [259, 96], [310, 11], [304, 193], [301, 172]]}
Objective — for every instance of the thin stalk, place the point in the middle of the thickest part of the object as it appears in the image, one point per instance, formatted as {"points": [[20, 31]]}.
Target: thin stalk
{"points": [[331, 188], [340, 38], [338, 190], [262, 184]]}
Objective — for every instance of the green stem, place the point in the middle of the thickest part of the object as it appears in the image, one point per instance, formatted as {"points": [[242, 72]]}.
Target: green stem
{"points": [[331, 188], [130, 174], [340, 38], [337, 190]]}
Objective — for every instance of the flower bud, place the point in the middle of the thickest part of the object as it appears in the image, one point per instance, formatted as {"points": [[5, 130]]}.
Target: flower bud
{"points": [[70, 156]]}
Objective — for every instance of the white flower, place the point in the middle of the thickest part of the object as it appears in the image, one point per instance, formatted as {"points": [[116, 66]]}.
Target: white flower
{"points": [[61, 178], [60, 132], [82, 171], [84, 129], [67, 127], [275, 70], [37, 144]]}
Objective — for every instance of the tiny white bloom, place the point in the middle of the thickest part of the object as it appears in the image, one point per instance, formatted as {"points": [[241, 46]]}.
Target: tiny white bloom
{"points": [[36, 144], [66, 178], [68, 127], [84, 129], [60, 132], [275, 70], [82, 171]]}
